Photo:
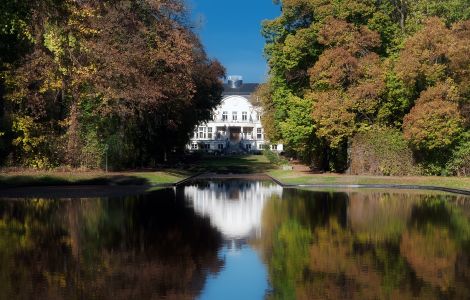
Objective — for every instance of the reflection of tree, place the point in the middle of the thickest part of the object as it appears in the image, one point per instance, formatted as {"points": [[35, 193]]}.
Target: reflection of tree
{"points": [[350, 268], [287, 236], [290, 257], [432, 254], [30, 237], [387, 246], [379, 217], [151, 246], [436, 245]]}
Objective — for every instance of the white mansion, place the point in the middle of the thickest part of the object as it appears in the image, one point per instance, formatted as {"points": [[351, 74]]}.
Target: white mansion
{"points": [[236, 124]]}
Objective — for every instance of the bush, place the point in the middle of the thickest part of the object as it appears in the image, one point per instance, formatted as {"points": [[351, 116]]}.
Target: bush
{"points": [[92, 152], [274, 158], [459, 164], [381, 151]]}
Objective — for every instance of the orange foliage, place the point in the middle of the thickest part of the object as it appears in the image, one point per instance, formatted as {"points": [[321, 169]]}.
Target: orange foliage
{"points": [[348, 80], [435, 62], [459, 55], [433, 125], [423, 60], [335, 68], [356, 39]]}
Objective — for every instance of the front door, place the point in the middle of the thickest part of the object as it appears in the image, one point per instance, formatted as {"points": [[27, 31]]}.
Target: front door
{"points": [[235, 133]]}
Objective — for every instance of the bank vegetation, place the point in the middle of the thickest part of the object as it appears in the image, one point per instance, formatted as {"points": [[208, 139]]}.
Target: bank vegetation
{"points": [[372, 87]]}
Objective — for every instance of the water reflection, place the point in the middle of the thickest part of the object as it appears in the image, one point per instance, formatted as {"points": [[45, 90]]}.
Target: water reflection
{"points": [[237, 240], [147, 247], [367, 245], [244, 276], [234, 207]]}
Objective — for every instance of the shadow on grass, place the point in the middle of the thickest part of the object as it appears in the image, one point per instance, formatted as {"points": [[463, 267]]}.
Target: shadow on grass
{"points": [[41, 181], [208, 164]]}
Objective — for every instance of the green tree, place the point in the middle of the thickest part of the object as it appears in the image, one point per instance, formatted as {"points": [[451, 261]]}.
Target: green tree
{"points": [[360, 63]]}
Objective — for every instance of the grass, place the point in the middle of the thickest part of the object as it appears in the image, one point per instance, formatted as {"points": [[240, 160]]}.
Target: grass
{"points": [[296, 177], [161, 177], [247, 164], [56, 178], [223, 165]]}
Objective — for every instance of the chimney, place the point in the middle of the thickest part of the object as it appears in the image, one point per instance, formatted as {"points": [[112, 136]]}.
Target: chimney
{"points": [[235, 81]]}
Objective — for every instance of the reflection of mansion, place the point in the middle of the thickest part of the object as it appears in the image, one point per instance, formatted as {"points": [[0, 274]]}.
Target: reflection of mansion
{"points": [[236, 124], [235, 208]]}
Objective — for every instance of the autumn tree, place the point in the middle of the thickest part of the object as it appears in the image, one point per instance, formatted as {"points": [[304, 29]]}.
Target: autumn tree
{"points": [[347, 80], [300, 54], [116, 76], [364, 63], [433, 65]]}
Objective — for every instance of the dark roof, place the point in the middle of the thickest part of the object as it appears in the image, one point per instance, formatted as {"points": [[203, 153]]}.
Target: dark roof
{"points": [[245, 89]]}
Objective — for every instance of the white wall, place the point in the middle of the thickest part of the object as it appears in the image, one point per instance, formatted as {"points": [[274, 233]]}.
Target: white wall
{"points": [[239, 104]]}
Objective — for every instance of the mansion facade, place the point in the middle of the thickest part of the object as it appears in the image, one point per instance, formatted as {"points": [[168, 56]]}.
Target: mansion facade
{"points": [[236, 123]]}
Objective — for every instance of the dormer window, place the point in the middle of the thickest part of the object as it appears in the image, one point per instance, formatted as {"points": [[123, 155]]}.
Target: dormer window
{"points": [[224, 116], [234, 116], [244, 116]]}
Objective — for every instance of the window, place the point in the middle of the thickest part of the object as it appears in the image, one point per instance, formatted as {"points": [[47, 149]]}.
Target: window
{"points": [[234, 115], [244, 116], [248, 146], [220, 146], [273, 147], [202, 132], [206, 146], [261, 146], [258, 116], [259, 133], [224, 116], [194, 146]]}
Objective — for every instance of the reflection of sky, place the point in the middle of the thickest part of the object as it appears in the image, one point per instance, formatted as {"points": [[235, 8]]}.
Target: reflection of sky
{"points": [[244, 277]]}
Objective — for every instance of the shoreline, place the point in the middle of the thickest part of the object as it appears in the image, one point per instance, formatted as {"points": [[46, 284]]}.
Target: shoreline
{"points": [[77, 190], [64, 192]]}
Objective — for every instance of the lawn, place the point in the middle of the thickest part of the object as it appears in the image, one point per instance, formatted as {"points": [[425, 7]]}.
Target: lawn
{"points": [[223, 164], [246, 164], [58, 178], [296, 177], [249, 164]]}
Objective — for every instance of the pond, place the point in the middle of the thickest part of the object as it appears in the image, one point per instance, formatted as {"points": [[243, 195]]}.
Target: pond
{"points": [[237, 239]]}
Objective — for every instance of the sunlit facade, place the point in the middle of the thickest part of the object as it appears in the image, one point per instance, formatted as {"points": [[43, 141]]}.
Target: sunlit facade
{"points": [[236, 124]]}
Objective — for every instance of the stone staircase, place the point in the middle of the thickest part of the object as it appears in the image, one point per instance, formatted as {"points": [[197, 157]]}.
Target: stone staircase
{"points": [[235, 148]]}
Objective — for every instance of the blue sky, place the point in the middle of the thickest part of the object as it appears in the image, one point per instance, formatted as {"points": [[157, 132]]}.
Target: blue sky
{"points": [[231, 33]]}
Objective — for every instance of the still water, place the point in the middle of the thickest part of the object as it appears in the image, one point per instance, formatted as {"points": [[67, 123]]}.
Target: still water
{"points": [[237, 240]]}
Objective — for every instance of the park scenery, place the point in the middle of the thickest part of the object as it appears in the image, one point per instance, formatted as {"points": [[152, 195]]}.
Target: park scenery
{"points": [[135, 164]]}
